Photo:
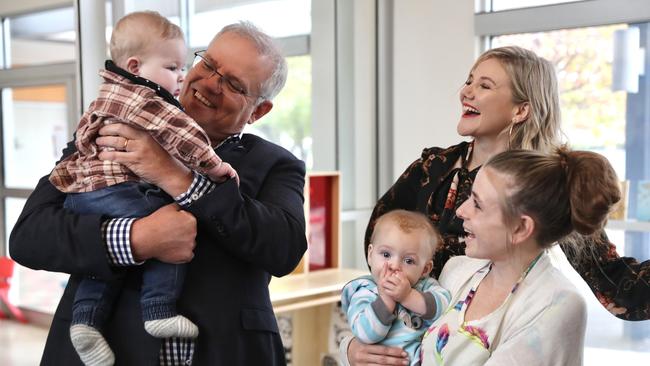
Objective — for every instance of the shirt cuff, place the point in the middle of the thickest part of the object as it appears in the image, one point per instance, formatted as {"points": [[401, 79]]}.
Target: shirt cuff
{"points": [[200, 186], [116, 233], [382, 312], [430, 305]]}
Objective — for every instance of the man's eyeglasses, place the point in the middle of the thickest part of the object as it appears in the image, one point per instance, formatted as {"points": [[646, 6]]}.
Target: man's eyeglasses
{"points": [[208, 70]]}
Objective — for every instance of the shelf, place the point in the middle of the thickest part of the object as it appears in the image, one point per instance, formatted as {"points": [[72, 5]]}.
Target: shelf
{"points": [[628, 225], [303, 290]]}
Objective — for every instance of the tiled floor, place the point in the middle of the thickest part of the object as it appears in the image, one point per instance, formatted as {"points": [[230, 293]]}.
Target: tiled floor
{"points": [[20, 344]]}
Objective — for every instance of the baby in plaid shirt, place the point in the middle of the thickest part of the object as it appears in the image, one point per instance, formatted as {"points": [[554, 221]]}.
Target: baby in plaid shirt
{"points": [[140, 85]]}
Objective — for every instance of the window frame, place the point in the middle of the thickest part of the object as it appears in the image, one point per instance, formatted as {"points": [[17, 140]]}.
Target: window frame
{"points": [[62, 73], [560, 16]]}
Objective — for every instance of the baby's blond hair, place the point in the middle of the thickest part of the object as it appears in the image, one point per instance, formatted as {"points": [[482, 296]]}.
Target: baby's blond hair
{"points": [[409, 221], [136, 33]]}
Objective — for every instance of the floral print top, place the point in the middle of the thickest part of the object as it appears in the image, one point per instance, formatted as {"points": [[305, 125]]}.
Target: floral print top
{"points": [[466, 343], [621, 284], [541, 322]]}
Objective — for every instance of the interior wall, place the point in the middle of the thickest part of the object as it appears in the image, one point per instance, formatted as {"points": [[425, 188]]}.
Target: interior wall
{"points": [[9, 8], [434, 48]]}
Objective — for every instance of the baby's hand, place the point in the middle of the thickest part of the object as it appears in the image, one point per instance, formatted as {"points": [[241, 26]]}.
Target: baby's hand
{"points": [[397, 286], [384, 274], [222, 172]]}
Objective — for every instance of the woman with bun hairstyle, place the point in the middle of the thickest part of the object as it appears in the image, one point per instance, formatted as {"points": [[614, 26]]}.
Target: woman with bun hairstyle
{"points": [[509, 101], [510, 305]]}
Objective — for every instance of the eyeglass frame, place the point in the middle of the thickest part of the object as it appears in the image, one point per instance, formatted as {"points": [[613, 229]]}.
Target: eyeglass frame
{"points": [[222, 77]]}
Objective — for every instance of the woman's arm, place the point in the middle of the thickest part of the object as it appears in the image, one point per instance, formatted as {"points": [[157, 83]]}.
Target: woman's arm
{"points": [[359, 354], [621, 284]]}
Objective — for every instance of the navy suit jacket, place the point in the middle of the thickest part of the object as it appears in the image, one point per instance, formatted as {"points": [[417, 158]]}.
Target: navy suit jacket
{"points": [[245, 235]]}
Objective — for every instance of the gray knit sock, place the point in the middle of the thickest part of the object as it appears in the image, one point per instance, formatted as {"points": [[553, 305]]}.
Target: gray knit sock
{"points": [[91, 346], [178, 326]]}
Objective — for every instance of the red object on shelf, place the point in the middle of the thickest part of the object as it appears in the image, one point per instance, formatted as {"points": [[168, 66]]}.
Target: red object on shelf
{"points": [[320, 222], [6, 271]]}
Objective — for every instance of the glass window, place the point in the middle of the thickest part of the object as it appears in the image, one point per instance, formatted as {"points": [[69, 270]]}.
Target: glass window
{"points": [[41, 38], [34, 122], [593, 115], [36, 290], [498, 5], [13, 208], [167, 8], [270, 16], [289, 122], [601, 114]]}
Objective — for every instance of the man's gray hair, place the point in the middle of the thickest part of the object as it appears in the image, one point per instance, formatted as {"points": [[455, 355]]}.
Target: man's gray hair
{"points": [[266, 47]]}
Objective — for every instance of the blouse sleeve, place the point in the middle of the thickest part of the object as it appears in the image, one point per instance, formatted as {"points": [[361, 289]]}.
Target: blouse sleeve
{"points": [[554, 337], [621, 284]]}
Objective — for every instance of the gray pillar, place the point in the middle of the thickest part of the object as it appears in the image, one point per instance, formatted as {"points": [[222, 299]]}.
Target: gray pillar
{"points": [[637, 167], [91, 47]]}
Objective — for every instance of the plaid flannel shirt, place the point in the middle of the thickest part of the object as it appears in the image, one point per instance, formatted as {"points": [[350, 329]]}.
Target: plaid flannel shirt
{"points": [[127, 98]]}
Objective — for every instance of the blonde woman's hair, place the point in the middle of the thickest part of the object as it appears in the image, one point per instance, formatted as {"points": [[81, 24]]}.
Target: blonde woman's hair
{"points": [[136, 33], [533, 80]]}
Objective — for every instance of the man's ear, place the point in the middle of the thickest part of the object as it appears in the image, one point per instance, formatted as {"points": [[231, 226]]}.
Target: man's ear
{"points": [[133, 65], [523, 229], [261, 110]]}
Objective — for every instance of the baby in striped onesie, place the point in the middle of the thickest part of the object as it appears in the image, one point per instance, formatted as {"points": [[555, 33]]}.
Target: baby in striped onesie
{"points": [[395, 305]]}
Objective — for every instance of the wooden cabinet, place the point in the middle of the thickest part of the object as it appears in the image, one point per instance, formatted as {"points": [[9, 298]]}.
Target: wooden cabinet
{"points": [[323, 224]]}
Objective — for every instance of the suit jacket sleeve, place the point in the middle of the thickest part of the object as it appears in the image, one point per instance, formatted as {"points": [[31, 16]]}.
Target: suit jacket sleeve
{"points": [[48, 237], [265, 228]]}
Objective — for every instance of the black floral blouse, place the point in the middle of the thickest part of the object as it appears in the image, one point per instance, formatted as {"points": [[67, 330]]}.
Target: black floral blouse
{"points": [[619, 283]]}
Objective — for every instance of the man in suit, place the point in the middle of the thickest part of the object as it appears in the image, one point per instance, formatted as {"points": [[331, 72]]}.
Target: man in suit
{"points": [[234, 237]]}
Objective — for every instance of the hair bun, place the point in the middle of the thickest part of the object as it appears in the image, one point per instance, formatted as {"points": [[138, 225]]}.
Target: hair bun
{"points": [[593, 188]]}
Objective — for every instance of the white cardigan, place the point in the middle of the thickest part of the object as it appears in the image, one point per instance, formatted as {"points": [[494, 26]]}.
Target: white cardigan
{"points": [[543, 326]]}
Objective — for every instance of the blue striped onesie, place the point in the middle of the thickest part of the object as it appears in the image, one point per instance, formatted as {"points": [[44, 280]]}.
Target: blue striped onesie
{"points": [[372, 323]]}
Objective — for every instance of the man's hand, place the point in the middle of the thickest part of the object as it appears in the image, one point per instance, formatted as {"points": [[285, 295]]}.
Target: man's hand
{"points": [[360, 354], [397, 286], [139, 152], [168, 234]]}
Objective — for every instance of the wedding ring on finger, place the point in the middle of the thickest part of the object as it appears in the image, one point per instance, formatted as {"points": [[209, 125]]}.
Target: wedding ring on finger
{"points": [[126, 143]]}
